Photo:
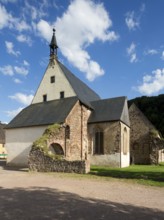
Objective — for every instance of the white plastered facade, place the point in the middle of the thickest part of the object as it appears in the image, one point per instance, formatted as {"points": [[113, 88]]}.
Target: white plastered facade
{"points": [[19, 142]]}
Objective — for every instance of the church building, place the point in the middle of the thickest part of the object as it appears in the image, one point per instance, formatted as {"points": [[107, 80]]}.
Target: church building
{"points": [[95, 129]]}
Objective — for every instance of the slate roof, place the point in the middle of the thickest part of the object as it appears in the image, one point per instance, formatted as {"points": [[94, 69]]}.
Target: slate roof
{"points": [[83, 92], [44, 113], [113, 109], [2, 133]]}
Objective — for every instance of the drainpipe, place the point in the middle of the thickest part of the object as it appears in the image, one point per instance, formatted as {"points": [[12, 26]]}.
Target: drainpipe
{"points": [[81, 132], [120, 143]]}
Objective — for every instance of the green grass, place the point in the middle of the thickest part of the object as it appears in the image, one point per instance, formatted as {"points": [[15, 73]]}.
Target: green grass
{"points": [[144, 174]]}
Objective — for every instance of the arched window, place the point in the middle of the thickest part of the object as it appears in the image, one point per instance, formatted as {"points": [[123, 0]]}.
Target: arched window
{"points": [[99, 142], [67, 132], [56, 149], [125, 141]]}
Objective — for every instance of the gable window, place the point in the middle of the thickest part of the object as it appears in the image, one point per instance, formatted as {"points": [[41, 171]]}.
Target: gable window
{"points": [[62, 94], [52, 79], [44, 98], [99, 142]]}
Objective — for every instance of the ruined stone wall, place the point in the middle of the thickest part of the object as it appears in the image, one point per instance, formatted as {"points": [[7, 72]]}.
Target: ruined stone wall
{"points": [[141, 145], [39, 162]]}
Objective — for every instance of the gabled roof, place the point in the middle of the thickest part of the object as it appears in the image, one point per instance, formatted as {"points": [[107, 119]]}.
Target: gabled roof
{"points": [[2, 133], [83, 92], [44, 113], [113, 109]]}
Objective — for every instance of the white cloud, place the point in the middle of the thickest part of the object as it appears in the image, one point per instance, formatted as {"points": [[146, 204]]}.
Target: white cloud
{"points": [[36, 12], [7, 70], [162, 57], [131, 51], [152, 83], [13, 113], [20, 25], [8, 1], [11, 70], [21, 70], [5, 17], [132, 21], [24, 39], [17, 81], [76, 30], [44, 29], [25, 63], [22, 98], [151, 52], [10, 48]]}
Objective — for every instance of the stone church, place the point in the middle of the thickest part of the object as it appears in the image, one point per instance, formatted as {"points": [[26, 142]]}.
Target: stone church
{"points": [[96, 129]]}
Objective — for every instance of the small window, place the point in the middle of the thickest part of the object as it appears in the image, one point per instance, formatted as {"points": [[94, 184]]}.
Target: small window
{"points": [[52, 79], [62, 94], [44, 98]]}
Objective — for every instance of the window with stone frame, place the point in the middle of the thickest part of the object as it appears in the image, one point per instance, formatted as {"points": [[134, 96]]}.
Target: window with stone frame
{"points": [[99, 142]]}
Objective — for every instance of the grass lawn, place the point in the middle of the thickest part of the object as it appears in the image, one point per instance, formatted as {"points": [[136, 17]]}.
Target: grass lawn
{"points": [[143, 174]]}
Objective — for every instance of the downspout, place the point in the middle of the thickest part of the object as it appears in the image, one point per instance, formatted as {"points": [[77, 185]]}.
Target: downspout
{"points": [[81, 132], [120, 143]]}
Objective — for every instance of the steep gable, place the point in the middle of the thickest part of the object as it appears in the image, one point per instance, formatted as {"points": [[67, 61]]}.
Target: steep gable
{"points": [[137, 116]]}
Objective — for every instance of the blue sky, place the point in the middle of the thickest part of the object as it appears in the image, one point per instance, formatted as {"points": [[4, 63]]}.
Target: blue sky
{"points": [[115, 46]]}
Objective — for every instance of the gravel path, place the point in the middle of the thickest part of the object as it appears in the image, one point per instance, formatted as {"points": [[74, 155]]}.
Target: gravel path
{"points": [[37, 196]]}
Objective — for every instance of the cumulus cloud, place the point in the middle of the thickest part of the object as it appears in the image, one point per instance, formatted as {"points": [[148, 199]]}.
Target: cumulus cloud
{"points": [[25, 63], [21, 70], [8, 1], [10, 48], [132, 21], [21, 25], [12, 70], [13, 113], [152, 83], [36, 12], [5, 17], [162, 57], [76, 31], [131, 51], [151, 52], [22, 98], [24, 39], [7, 70], [17, 81]]}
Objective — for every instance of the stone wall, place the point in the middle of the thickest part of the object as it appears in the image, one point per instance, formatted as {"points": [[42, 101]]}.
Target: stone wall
{"points": [[40, 162], [112, 138], [143, 146], [77, 145]]}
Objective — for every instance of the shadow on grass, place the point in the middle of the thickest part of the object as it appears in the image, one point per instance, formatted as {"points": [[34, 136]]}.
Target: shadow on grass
{"points": [[154, 173], [37, 203]]}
